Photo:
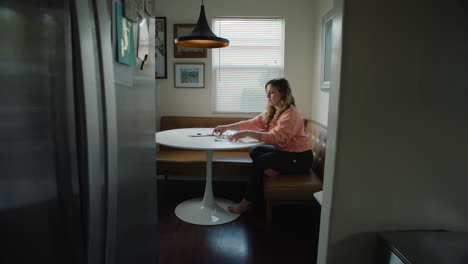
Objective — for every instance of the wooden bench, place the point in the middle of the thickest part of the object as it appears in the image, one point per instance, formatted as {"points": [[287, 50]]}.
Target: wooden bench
{"points": [[282, 189], [298, 188]]}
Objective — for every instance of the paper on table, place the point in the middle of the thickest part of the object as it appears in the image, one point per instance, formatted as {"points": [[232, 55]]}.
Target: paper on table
{"points": [[242, 140], [225, 137], [221, 139], [202, 135]]}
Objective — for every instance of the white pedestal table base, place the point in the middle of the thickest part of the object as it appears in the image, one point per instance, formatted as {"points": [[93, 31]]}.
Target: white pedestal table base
{"points": [[207, 210], [193, 211]]}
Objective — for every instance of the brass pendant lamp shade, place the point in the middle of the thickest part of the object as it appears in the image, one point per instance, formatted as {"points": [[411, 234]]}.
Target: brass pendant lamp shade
{"points": [[202, 36]]}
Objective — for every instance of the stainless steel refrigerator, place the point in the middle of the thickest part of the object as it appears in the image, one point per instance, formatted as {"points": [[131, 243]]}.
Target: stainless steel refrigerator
{"points": [[77, 150]]}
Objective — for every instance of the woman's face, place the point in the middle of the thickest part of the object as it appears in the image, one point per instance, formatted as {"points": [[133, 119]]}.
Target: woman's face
{"points": [[273, 96]]}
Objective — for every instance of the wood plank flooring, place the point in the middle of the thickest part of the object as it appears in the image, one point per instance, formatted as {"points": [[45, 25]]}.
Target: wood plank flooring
{"points": [[291, 240]]}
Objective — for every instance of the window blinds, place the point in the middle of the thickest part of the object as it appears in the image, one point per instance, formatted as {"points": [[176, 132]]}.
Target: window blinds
{"points": [[254, 56]]}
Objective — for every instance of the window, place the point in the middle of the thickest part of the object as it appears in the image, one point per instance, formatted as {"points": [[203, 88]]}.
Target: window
{"points": [[254, 56], [327, 41]]}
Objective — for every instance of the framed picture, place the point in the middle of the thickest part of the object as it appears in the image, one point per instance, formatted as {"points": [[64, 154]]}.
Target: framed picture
{"points": [[327, 45], [161, 48], [181, 30], [143, 38], [125, 41], [189, 75], [131, 10]]}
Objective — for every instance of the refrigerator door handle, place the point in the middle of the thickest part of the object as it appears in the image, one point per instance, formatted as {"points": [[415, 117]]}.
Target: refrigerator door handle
{"points": [[91, 128], [104, 37]]}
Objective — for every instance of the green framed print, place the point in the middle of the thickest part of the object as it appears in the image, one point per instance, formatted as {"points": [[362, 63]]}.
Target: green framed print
{"points": [[125, 42]]}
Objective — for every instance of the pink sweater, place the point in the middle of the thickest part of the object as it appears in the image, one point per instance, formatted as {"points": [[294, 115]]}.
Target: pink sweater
{"points": [[287, 134]]}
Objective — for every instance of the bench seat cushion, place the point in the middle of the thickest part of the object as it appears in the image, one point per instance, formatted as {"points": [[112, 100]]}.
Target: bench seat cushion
{"points": [[292, 187], [229, 164], [181, 156]]}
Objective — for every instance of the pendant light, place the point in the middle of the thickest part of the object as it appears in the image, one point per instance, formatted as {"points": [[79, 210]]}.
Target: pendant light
{"points": [[202, 36]]}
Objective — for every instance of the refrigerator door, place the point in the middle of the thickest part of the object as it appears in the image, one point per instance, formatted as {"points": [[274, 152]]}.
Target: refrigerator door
{"points": [[40, 199], [77, 152], [124, 143]]}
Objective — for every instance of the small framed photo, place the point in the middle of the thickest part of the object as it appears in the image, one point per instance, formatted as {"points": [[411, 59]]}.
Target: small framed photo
{"points": [[327, 45], [130, 9], [189, 75], [161, 48], [181, 30], [143, 38]]}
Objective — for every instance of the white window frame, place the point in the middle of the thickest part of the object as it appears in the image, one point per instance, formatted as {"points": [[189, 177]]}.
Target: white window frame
{"points": [[328, 18], [213, 71]]}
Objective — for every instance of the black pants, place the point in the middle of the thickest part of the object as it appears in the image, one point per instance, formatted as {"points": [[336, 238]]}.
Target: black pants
{"points": [[266, 156]]}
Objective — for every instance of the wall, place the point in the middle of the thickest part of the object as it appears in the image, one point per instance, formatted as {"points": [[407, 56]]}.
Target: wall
{"points": [[320, 98], [299, 48], [401, 142]]}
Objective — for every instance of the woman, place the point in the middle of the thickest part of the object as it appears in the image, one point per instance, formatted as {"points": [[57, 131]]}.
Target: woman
{"points": [[282, 128]]}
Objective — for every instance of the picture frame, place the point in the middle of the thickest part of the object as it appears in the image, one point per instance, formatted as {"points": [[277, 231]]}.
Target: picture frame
{"points": [[326, 50], [189, 75], [143, 38], [161, 48], [125, 46], [181, 30], [130, 10]]}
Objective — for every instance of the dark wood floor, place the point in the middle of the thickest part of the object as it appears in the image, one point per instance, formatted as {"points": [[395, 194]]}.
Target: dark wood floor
{"points": [[292, 238]]}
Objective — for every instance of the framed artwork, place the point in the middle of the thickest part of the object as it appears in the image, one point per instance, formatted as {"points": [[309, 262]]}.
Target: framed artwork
{"points": [[143, 38], [125, 42], [161, 48], [181, 30], [327, 45], [131, 10], [189, 75]]}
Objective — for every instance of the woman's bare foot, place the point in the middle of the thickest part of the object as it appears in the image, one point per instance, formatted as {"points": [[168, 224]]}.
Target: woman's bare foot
{"points": [[271, 172], [241, 207]]}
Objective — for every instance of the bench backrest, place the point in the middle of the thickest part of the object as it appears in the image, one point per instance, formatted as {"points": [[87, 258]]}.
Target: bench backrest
{"points": [[174, 122], [317, 134]]}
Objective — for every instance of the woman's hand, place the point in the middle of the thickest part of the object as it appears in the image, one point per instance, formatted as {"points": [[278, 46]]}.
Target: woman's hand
{"points": [[219, 130], [245, 133]]}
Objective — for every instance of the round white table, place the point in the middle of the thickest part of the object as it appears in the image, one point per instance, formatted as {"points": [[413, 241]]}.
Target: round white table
{"points": [[207, 210]]}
